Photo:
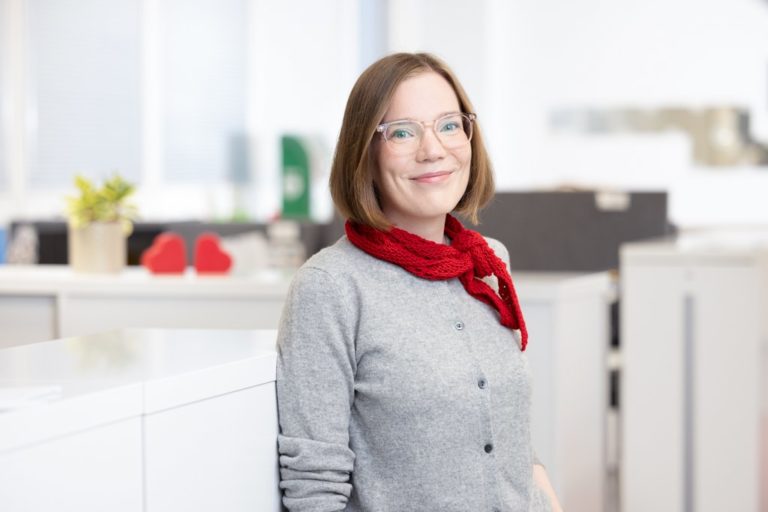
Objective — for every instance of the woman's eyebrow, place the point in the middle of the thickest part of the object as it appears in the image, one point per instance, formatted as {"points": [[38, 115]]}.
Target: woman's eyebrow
{"points": [[442, 114]]}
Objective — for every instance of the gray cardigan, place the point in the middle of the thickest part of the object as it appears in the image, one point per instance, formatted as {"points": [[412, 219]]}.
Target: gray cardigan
{"points": [[397, 394]]}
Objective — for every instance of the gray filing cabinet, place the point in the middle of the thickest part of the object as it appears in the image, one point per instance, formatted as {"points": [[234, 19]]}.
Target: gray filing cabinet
{"points": [[694, 313]]}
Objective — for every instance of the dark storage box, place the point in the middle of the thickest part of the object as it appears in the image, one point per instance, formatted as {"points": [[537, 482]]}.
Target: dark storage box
{"points": [[572, 231]]}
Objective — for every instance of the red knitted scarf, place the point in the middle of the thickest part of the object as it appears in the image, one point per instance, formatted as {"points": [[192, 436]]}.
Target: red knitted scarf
{"points": [[468, 257]]}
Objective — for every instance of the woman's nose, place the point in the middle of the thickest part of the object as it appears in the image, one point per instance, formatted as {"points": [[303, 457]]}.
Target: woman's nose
{"points": [[430, 147]]}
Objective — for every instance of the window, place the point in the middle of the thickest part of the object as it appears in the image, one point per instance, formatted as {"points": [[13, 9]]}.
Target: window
{"points": [[4, 94], [83, 90], [203, 73], [171, 94]]}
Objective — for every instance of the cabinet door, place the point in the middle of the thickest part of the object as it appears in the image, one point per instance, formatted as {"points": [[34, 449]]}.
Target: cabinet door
{"points": [[27, 319], [582, 395], [82, 313], [725, 308], [652, 402], [215, 454], [691, 387], [568, 322], [92, 471], [540, 319]]}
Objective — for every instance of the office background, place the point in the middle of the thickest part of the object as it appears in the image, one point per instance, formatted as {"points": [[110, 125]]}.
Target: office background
{"points": [[189, 99]]}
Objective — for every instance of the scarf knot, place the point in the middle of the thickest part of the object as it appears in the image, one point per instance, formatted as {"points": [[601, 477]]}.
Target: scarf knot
{"points": [[474, 248], [468, 258]]}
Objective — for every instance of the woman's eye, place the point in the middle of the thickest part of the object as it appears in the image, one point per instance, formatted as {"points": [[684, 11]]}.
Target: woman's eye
{"points": [[450, 126], [400, 133]]}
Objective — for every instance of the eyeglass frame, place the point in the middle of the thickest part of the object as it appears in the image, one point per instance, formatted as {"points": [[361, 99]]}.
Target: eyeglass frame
{"points": [[470, 116]]}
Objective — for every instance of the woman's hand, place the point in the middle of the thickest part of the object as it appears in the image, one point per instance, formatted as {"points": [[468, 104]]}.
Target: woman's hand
{"points": [[540, 478]]}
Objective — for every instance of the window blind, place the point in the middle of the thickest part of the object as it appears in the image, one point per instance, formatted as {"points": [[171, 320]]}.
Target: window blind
{"points": [[204, 73], [83, 90], [4, 98]]}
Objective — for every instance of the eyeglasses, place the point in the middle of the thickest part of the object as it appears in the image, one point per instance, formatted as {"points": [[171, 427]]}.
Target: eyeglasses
{"points": [[452, 130]]}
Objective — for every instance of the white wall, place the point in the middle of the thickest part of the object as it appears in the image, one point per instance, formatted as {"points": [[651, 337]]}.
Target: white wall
{"points": [[521, 59], [307, 61], [518, 59]]}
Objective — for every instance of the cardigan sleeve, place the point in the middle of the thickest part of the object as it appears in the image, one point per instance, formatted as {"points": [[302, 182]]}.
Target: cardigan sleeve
{"points": [[315, 388]]}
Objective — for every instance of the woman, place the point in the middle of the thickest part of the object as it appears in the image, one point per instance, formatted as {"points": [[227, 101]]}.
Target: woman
{"points": [[401, 383]]}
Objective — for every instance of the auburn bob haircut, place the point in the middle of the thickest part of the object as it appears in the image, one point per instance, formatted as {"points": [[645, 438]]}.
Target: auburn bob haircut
{"points": [[352, 173]]}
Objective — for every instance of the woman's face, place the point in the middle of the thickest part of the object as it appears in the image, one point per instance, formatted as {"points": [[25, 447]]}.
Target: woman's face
{"points": [[422, 186]]}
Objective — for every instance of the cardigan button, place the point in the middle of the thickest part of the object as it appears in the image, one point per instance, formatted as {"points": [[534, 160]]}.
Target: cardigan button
{"points": [[459, 326], [482, 383], [488, 448]]}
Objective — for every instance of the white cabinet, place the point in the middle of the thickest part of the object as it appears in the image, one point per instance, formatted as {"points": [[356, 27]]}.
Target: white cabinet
{"points": [[145, 420], [98, 469], [44, 302], [568, 319], [694, 315], [26, 318], [214, 454]]}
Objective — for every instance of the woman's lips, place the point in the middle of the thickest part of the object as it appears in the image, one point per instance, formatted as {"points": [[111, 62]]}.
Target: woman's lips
{"points": [[432, 177]]}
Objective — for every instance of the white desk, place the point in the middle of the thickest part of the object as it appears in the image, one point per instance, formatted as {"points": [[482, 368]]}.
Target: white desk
{"points": [[158, 420], [44, 302], [695, 381], [567, 316]]}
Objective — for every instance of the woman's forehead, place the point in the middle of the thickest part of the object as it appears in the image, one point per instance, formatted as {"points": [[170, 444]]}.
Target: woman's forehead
{"points": [[422, 97]]}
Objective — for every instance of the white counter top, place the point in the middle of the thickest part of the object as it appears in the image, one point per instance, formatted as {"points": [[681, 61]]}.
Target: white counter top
{"points": [[706, 245], [121, 374], [46, 279], [45, 302]]}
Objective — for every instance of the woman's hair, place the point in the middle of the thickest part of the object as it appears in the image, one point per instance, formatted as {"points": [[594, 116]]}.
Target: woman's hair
{"points": [[352, 172]]}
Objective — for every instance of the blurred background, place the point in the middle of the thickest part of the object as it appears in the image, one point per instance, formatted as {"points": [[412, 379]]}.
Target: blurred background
{"points": [[189, 99], [608, 124]]}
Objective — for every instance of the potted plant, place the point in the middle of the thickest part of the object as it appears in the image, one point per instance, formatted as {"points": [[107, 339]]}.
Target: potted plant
{"points": [[100, 220]]}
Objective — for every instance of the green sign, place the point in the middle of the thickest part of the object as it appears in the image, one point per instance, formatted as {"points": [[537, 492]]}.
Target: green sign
{"points": [[295, 178]]}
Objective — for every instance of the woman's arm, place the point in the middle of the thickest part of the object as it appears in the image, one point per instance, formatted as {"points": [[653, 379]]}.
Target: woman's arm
{"points": [[315, 389], [540, 478]]}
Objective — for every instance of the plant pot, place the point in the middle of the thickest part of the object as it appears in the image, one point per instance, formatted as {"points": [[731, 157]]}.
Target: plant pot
{"points": [[99, 248]]}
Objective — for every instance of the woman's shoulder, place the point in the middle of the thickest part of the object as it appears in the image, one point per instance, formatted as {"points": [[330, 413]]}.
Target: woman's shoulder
{"points": [[499, 248], [352, 270], [338, 263], [338, 258]]}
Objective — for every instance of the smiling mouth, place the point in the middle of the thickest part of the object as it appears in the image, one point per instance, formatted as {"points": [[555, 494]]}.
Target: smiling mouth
{"points": [[431, 177]]}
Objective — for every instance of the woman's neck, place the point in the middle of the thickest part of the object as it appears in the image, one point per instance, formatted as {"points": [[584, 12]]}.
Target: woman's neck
{"points": [[429, 229]]}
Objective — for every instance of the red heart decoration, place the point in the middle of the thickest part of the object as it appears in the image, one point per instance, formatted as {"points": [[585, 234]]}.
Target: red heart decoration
{"points": [[166, 255], [210, 258]]}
